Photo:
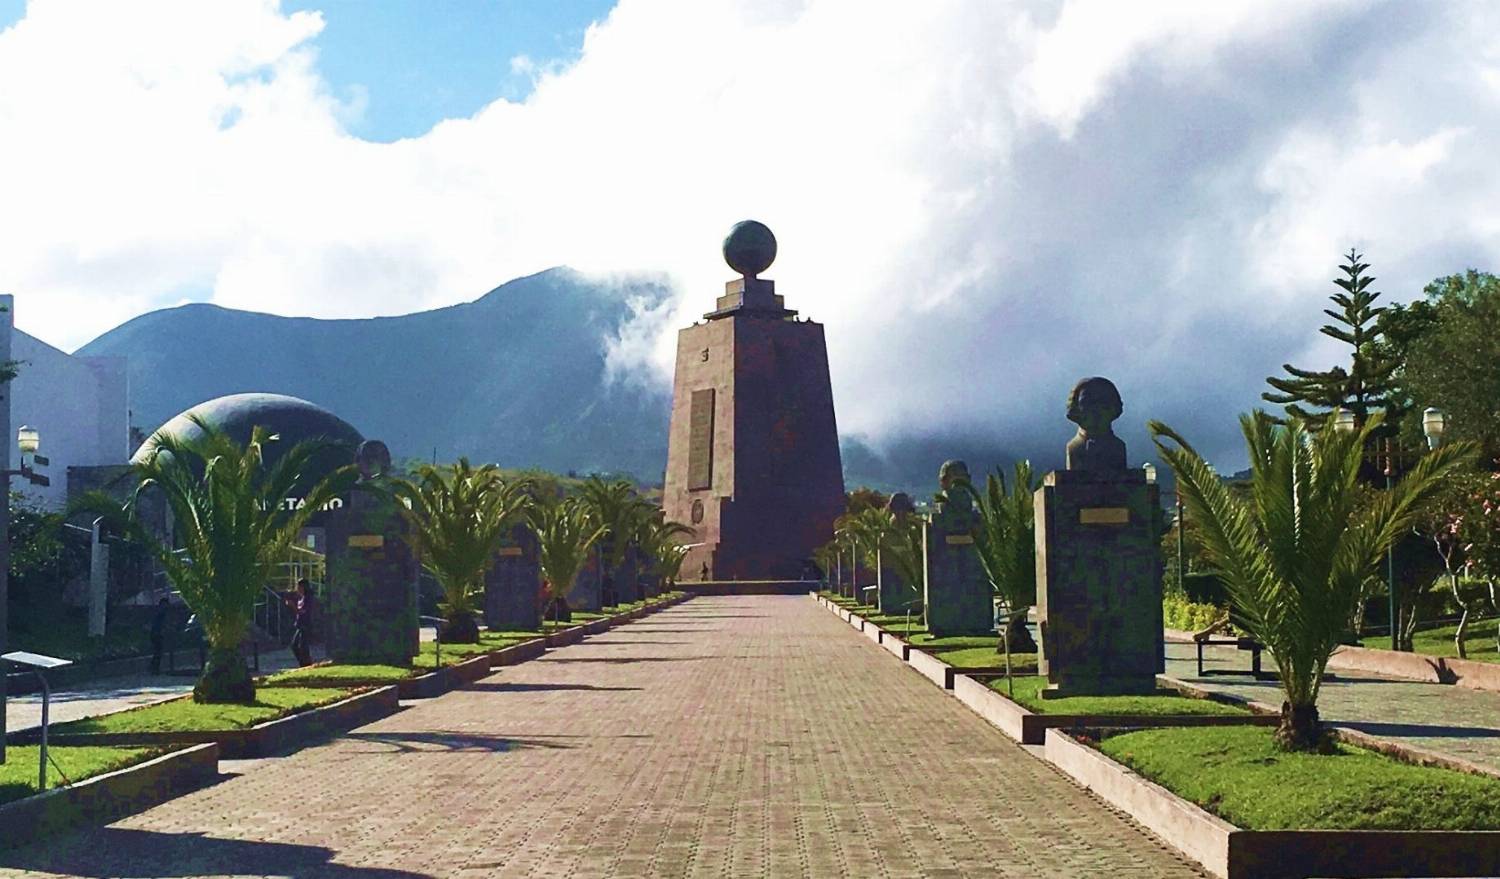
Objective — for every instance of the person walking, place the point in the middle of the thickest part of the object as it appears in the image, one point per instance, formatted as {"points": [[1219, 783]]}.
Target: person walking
{"points": [[158, 634], [302, 621]]}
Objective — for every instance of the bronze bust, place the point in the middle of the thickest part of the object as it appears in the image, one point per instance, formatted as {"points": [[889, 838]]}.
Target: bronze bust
{"points": [[1093, 406]]}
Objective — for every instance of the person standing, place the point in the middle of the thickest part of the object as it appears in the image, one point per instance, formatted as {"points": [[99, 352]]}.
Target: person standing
{"points": [[158, 634], [302, 622]]}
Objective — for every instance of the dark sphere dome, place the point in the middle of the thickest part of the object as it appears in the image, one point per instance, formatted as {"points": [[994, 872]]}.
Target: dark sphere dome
{"points": [[291, 419], [750, 248]]}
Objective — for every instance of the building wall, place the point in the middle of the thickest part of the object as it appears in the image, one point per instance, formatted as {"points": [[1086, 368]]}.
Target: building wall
{"points": [[81, 407]]}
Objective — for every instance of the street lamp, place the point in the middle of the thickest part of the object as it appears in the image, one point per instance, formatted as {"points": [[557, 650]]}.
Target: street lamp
{"points": [[28, 441], [1433, 425]]}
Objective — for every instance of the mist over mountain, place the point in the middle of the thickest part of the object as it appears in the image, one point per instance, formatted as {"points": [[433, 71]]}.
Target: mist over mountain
{"points": [[520, 376]]}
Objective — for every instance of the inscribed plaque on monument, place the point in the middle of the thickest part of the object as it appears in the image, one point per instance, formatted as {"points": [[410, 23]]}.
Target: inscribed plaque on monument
{"points": [[701, 440], [1104, 516]]}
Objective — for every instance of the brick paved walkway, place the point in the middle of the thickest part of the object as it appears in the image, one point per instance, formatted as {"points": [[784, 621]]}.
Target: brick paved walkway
{"points": [[754, 736], [1452, 720]]}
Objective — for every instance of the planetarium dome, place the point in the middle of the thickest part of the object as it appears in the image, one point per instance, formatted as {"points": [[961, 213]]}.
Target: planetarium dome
{"points": [[291, 419]]}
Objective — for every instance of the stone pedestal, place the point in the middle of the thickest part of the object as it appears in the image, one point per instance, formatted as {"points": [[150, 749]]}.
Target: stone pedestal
{"points": [[372, 583], [957, 598], [1099, 587], [587, 593], [513, 584], [895, 595], [627, 577]]}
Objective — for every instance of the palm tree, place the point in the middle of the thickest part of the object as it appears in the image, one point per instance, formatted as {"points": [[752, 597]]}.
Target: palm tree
{"points": [[460, 516], [658, 540], [901, 550], [619, 510], [565, 532], [1006, 544], [233, 527], [1296, 549]]}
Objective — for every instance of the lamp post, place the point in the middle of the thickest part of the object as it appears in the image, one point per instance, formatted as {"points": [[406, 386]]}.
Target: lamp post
{"points": [[1434, 423], [28, 440]]}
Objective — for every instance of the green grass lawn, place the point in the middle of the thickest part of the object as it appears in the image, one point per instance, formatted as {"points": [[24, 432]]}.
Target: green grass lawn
{"points": [[1165, 703], [344, 675], [986, 657], [18, 772], [925, 641], [180, 715], [1237, 773], [1479, 641]]}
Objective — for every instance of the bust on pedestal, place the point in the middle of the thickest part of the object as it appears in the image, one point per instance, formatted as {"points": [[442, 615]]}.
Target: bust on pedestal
{"points": [[1098, 563], [956, 596], [372, 572]]}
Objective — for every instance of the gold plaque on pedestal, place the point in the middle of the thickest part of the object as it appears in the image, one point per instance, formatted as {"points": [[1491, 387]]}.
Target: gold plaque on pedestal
{"points": [[1104, 516]]}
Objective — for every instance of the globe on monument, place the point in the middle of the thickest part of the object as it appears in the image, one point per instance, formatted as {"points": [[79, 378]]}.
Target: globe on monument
{"points": [[749, 248]]}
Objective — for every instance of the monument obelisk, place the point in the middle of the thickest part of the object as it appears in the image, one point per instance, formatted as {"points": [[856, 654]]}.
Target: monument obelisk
{"points": [[753, 453]]}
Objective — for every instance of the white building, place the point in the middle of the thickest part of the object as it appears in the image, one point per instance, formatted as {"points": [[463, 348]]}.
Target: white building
{"points": [[79, 405]]}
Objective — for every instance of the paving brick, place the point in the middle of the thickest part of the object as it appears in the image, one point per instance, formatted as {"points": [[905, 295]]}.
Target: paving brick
{"points": [[743, 736]]}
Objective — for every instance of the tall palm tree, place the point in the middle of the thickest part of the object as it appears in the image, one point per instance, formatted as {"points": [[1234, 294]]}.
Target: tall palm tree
{"points": [[460, 516], [232, 526], [620, 511], [1006, 544], [1295, 550], [901, 551], [565, 532]]}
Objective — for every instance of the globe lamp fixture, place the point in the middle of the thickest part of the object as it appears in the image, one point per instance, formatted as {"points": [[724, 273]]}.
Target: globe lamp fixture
{"points": [[1343, 422], [28, 440], [1150, 473], [1434, 422]]}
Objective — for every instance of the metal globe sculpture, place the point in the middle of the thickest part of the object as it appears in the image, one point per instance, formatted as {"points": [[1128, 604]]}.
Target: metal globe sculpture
{"points": [[750, 248]]}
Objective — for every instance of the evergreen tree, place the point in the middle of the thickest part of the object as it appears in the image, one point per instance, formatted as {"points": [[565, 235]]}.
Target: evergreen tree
{"points": [[1368, 385]]}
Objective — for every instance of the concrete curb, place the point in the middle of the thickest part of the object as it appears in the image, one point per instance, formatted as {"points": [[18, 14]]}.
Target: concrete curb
{"points": [[1398, 664], [1230, 852], [108, 797], [1223, 849]]}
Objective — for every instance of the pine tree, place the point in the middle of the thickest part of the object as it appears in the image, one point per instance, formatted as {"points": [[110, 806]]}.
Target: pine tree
{"points": [[1368, 385]]}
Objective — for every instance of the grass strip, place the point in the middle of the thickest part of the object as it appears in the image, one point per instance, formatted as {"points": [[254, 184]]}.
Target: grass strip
{"points": [[1479, 641], [185, 715], [986, 657], [77, 762], [1165, 703], [1237, 773], [340, 675]]}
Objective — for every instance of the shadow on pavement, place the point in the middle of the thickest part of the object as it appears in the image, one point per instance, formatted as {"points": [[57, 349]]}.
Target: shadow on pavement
{"points": [[108, 851], [621, 660], [1419, 730], [532, 688], [412, 742]]}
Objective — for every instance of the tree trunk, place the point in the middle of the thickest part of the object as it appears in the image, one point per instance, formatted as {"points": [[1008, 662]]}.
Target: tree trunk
{"points": [[461, 628], [1019, 635], [225, 678], [1463, 619], [1300, 729]]}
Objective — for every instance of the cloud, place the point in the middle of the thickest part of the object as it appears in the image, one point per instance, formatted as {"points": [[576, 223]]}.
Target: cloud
{"points": [[983, 202]]}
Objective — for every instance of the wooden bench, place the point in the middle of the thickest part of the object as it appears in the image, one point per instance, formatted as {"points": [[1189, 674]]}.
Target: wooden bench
{"points": [[1206, 638]]}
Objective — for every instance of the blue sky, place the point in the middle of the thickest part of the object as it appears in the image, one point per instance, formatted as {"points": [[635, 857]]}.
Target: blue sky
{"points": [[417, 62]]}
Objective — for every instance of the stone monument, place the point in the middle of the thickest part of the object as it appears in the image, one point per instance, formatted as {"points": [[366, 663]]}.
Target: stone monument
{"points": [[956, 595], [1098, 562], [513, 584], [372, 571], [587, 593], [894, 594], [753, 452]]}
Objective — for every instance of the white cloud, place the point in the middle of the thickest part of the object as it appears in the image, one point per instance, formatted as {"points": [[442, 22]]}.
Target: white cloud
{"points": [[982, 201]]}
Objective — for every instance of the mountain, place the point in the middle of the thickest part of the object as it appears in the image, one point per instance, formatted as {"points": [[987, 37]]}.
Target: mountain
{"points": [[516, 377]]}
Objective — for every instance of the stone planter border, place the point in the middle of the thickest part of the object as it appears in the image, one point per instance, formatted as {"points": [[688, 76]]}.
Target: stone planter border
{"points": [[109, 796], [1030, 728], [1398, 664], [1230, 852], [263, 739]]}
